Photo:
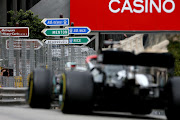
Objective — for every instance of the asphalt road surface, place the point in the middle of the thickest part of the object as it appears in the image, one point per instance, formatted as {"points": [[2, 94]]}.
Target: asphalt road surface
{"points": [[26, 113]]}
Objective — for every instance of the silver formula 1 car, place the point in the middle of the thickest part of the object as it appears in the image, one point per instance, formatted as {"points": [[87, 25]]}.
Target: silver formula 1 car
{"points": [[114, 81]]}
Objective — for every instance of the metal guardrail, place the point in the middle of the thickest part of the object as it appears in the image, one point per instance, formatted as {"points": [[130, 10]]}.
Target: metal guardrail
{"points": [[12, 96]]}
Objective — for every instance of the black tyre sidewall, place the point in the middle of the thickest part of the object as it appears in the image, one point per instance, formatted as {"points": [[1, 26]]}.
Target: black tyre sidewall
{"points": [[79, 92], [173, 106], [42, 88]]}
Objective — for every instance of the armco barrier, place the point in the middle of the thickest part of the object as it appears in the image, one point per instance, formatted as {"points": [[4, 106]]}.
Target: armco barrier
{"points": [[12, 96]]}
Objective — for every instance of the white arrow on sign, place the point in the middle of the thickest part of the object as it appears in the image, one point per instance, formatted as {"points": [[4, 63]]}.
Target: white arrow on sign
{"points": [[18, 44]]}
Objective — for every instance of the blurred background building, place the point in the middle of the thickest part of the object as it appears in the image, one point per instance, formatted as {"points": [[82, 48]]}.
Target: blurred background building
{"points": [[16, 5]]}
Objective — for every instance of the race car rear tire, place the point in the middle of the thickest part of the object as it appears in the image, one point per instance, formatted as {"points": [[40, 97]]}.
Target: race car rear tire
{"points": [[40, 88], [173, 107], [77, 92]]}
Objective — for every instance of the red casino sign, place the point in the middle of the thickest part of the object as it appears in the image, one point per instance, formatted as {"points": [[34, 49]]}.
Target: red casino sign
{"points": [[126, 15]]}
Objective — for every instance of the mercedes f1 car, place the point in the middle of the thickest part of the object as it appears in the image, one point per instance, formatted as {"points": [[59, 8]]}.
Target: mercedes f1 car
{"points": [[114, 81]]}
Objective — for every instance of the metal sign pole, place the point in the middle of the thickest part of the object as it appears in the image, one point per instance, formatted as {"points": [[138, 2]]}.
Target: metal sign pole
{"points": [[17, 57], [49, 57], [62, 63], [32, 57], [24, 73], [11, 53]]}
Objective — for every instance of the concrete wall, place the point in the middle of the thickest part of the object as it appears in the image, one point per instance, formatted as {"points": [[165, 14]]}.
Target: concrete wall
{"points": [[52, 8], [3, 14]]}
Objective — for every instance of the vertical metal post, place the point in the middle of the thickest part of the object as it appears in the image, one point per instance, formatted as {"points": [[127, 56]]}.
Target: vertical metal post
{"points": [[49, 57], [6, 56], [59, 59], [97, 42], [10, 81], [72, 53], [41, 57], [24, 73], [78, 57], [11, 53], [62, 59], [45, 53], [62, 62], [3, 52], [17, 57], [38, 57], [61, 16], [17, 62], [72, 47], [32, 57]]}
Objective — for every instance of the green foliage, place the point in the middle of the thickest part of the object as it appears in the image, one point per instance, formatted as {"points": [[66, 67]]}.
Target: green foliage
{"points": [[27, 19], [174, 48]]}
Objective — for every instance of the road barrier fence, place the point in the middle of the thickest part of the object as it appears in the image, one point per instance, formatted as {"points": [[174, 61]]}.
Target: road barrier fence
{"points": [[20, 56]]}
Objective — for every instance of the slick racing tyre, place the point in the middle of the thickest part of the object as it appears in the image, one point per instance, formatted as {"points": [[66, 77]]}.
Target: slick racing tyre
{"points": [[77, 92], [173, 107], [40, 88]]}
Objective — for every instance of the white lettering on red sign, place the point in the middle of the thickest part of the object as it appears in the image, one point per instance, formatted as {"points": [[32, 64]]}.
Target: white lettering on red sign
{"points": [[149, 4]]}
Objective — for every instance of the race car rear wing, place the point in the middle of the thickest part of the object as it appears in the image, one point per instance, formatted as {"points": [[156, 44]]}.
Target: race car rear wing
{"points": [[164, 60]]}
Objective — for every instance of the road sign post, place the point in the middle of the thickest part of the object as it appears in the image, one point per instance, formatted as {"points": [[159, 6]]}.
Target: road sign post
{"points": [[79, 30], [56, 32], [79, 40], [14, 31], [18, 44]]}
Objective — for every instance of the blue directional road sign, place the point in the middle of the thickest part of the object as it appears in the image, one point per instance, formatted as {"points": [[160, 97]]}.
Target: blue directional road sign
{"points": [[79, 30], [55, 21]]}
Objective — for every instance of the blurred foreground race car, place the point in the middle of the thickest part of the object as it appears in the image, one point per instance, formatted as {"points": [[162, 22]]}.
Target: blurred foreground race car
{"points": [[114, 81]]}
